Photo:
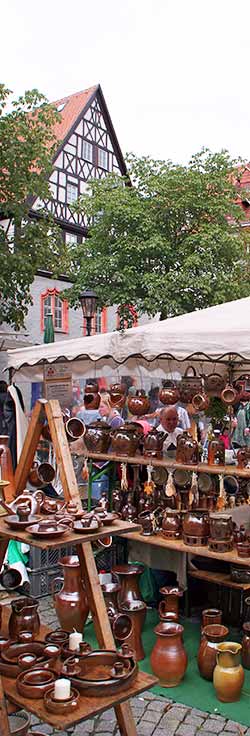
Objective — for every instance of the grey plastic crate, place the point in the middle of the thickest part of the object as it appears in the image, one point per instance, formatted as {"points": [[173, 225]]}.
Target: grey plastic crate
{"points": [[40, 558], [41, 581]]}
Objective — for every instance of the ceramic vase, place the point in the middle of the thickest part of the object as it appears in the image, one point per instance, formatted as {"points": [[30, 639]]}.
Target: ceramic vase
{"points": [[168, 658], [71, 602], [210, 616], [136, 610], [229, 675], [212, 636], [169, 607], [129, 580]]}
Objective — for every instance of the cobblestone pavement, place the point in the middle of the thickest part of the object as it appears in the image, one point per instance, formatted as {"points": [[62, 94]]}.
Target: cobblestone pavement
{"points": [[154, 715]]}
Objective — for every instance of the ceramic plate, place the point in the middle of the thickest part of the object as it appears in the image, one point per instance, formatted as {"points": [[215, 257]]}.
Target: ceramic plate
{"points": [[59, 532], [79, 529], [14, 523]]}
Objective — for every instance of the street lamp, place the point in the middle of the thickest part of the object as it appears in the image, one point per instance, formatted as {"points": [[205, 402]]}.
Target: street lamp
{"points": [[88, 300]]}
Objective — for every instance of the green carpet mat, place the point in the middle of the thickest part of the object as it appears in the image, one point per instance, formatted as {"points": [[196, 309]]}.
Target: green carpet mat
{"points": [[193, 691]]}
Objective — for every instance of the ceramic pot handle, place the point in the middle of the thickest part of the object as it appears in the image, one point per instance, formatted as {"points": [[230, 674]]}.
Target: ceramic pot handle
{"points": [[56, 580], [66, 521]]}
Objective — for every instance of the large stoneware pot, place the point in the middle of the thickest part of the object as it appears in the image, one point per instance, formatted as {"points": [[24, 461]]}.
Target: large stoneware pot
{"points": [[168, 658], [212, 636], [228, 674], [97, 436], [71, 602]]}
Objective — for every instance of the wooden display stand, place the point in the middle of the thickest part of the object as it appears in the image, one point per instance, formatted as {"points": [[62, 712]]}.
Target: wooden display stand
{"points": [[51, 411]]}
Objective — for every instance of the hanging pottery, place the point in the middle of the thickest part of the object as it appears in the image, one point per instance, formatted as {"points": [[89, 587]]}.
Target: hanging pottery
{"points": [[117, 395], [216, 450], [190, 385], [214, 384], [139, 404], [200, 402], [228, 395], [169, 393], [92, 397]]}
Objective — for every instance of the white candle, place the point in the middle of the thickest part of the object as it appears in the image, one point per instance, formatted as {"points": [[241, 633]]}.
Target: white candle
{"points": [[62, 689], [74, 641]]}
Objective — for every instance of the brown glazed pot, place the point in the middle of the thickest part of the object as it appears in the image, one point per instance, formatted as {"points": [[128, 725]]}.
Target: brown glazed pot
{"points": [[171, 523], [74, 428], [169, 393], [136, 610], [97, 436], [196, 523], [92, 397], [187, 450], [153, 443], [24, 617], [221, 526], [211, 636], [210, 616], [169, 607], [228, 395], [125, 440], [117, 395], [168, 658], [110, 594], [139, 404], [243, 456], [200, 402], [246, 646], [229, 675], [71, 602], [216, 452], [19, 723], [41, 473], [129, 580]]}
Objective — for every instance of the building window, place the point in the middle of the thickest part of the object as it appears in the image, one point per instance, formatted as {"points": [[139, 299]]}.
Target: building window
{"points": [[88, 151], [72, 193], [102, 158], [51, 303], [99, 322], [70, 238]]}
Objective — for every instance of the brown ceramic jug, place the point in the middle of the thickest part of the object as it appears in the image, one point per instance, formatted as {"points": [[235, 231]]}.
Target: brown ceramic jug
{"points": [[139, 404], [229, 675], [216, 450], [153, 443], [117, 395], [97, 436], [221, 525], [125, 440], [24, 617], [187, 450], [211, 636], [7, 468], [71, 602], [169, 607], [171, 523], [168, 658], [92, 397], [169, 393], [246, 646], [195, 523]]}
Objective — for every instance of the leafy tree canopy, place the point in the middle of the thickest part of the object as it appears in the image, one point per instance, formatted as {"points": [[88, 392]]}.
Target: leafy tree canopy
{"points": [[27, 145], [170, 243]]}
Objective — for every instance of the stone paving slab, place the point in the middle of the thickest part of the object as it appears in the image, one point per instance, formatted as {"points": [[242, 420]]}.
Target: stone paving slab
{"points": [[154, 715]]}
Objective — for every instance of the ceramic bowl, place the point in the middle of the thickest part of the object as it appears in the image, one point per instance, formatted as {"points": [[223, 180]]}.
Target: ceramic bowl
{"points": [[34, 683], [19, 723], [59, 636], [59, 707]]}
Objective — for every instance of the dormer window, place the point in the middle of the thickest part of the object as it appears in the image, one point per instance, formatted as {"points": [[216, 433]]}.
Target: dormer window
{"points": [[61, 107]]}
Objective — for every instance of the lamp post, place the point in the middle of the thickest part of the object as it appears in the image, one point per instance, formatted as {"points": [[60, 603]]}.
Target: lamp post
{"points": [[88, 300]]}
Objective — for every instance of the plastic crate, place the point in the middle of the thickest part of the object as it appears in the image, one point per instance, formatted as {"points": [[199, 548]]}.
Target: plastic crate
{"points": [[114, 555], [40, 558], [41, 581]]}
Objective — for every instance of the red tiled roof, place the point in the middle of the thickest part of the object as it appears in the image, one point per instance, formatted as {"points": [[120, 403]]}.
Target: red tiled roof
{"points": [[73, 106]]}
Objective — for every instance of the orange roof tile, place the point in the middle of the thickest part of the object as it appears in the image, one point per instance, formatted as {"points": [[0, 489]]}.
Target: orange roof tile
{"points": [[73, 107]]}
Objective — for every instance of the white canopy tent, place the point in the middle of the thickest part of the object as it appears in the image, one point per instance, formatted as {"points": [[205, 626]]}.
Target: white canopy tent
{"points": [[219, 334]]}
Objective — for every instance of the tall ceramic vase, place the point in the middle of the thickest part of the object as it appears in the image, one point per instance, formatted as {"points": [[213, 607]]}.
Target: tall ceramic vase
{"points": [[168, 657], [7, 468], [71, 602], [129, 580], [228, 674]]}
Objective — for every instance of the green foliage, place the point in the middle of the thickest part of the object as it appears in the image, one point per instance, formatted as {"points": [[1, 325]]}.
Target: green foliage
{"points": [[171, 243], [26, 148]]}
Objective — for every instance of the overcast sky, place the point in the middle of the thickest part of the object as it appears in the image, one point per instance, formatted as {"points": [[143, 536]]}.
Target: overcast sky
{"points": [[175, 73]]}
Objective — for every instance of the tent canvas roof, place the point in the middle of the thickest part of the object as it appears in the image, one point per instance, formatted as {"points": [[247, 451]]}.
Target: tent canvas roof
{"points": [[213, 334]]}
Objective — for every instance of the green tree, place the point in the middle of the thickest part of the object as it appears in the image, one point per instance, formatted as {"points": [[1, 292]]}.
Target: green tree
{"points": [[170, 243], [27, 144]]}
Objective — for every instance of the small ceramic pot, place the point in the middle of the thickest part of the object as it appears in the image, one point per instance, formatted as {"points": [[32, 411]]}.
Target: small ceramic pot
{"points": [[212, 636], [125, 440], [210, 616], [34, 683], [169, 394], [187, 451], [228, 675], [75, 429], [117, 395], [195, 523], [97, 437], [221, 526], [57, 637], [139, 404], [171, 523], [92, 397], [200, 402], [61, 707], [169, 607], [153, 443], [243, 549], [24, 617]]}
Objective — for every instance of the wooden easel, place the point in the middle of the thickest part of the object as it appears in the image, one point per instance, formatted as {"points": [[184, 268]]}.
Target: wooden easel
{"points": [[52, 411]]}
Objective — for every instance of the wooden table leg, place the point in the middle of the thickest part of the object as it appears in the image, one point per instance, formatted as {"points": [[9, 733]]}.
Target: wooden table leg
{"points": [[102, 626], [4, 721]]}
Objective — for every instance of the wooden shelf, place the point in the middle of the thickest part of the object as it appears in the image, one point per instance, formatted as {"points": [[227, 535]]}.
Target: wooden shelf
{"points": [[88, 707], [219, 578], [116, 529], [179, 546], [170, 464]]}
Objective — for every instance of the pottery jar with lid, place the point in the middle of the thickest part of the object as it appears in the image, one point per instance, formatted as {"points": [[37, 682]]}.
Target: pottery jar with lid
{"points": [[139, 404], [91, 397], [228, 675], [97, 436], [169, 394], [212, 635], [246, 645], [153, 443], [168, 657], [71, 602], [221, 525], [125, 440]]}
